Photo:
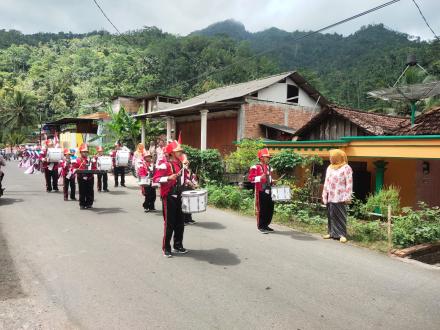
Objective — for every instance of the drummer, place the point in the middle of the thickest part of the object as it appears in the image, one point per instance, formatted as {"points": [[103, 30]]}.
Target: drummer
{"points": [[102, 176], [50, 169], [118, 170], [261, 176], [168, 174], [146, 169], [191, 183], [68, 174], [85, 181]]}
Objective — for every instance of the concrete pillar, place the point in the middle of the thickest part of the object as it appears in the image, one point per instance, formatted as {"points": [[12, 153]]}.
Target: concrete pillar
{"points": [[203, 128], [169, 128], [240, 123], [143, 131], [381, 166]]}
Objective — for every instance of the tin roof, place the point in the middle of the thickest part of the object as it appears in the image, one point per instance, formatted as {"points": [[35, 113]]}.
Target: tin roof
{"points": [[236, 91]]}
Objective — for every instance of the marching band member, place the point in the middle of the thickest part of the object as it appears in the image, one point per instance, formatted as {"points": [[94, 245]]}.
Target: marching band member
{"points": [[2, 163], [168, 174], [50, 169], [102, 177], [191, 183], [146, 169], [68, 174], [118, 170], [85, 181], [260, 175], [138, 156]]}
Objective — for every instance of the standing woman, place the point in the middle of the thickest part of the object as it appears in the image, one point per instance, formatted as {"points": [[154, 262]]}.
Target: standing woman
{"points": [[338, 188]]}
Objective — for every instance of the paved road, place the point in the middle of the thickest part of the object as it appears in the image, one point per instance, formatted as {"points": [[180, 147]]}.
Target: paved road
{"points": [[103, 269]]}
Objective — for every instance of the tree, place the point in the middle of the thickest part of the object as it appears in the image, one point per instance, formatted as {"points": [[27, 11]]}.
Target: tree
{"points": [[245, 156], [123, 127], [18, 111]]}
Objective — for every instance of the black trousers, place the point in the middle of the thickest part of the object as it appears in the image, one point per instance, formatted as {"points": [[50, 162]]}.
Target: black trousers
{"points": [[1, 179], [119, 171], [150, 197], [102, 179], [51, 177], [174, 226], [69, 183], [86, 193], [265, 207]]}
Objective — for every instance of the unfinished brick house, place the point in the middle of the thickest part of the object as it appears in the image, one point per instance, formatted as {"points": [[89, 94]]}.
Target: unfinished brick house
{"points": [[272, 107]]}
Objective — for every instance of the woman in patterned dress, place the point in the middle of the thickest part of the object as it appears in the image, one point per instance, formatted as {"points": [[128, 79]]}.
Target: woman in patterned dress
{"points": [[338, 188]]}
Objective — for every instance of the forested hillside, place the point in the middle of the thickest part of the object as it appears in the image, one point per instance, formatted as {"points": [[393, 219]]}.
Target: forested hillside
{"points": [[64, 73]]}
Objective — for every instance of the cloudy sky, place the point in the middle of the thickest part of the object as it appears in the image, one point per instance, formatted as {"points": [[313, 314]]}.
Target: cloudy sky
{"points": [[184, 16]]}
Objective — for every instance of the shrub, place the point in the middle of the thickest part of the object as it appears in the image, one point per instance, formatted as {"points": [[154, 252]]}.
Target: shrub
{"points": [[244, 157], [366, 231], [207, 164], [417, 226], [381, 200], [285, 162], [230, 197]]}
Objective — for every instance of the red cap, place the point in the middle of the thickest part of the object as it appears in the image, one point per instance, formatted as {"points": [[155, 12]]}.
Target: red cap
{"points": [[263, 153], [48, 141], [83, 147], [99, 149], [66, 151], [173, 146]]}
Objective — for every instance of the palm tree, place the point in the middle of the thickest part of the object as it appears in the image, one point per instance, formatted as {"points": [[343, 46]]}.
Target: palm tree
{"points": [[17, 111]]}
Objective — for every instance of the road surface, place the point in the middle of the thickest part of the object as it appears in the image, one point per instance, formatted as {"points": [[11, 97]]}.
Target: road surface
{"points": [[66, 268]]}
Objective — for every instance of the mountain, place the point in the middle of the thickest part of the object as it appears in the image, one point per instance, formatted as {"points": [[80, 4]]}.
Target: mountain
{"points": [[344, 68]]}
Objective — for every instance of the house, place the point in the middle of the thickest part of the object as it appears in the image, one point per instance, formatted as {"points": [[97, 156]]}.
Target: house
{"points": [[73, 131], [382, 150], [221, 116], [146, 103]]}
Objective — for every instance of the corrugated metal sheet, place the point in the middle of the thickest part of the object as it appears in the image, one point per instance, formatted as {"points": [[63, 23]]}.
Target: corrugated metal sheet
{"points": [[232, 92]]}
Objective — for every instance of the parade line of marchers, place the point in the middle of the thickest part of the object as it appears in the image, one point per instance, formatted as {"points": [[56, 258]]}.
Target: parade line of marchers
{"points": [[167, 167]]}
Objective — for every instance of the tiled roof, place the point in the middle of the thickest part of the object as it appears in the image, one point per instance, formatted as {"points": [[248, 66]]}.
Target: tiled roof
{"points": [[427, 123], [372, 123]]}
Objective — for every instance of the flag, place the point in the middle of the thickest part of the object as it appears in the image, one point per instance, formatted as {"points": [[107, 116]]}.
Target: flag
{"points": [[179, 140], [56, 141]]}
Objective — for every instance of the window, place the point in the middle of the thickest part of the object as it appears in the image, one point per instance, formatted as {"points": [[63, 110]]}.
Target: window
{"points": [[292, 94]]}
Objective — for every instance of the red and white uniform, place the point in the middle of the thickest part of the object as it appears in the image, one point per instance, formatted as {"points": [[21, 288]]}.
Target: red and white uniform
{"points": [[260, 174], [45, 164], [85, 163], [67, 168], [163, 171]]}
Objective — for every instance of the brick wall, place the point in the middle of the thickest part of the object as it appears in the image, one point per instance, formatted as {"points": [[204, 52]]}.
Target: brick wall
{"points": [[264, 112]]}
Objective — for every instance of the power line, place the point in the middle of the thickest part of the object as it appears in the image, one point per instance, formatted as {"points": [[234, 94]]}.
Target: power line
{"points": [[426, 22], [293, 41], [205, 74]]}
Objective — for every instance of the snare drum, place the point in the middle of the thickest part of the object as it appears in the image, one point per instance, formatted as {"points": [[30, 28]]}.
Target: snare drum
{"points": [[104, 163], [144, 181], [122, 158], [194, 201], [281, 193], [54, 155]]}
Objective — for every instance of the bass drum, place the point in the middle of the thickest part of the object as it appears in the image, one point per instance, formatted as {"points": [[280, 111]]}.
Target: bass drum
{"points": [[122, 158], [104, 163], [194, 201], [54, 155]]}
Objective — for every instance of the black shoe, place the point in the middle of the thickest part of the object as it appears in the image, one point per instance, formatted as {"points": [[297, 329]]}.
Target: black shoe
{"points": [[116, 185], [146, 210], [123, 185], [180, 250], [167, 254], [82, 207], [72, 198], [263, 231], [106, 190], [88, 207], [269, 229], [191, 222], [47, 190], [56, 190]]}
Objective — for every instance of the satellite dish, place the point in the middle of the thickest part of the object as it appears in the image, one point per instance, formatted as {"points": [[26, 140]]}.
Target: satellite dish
{"points": [[408, 93]]}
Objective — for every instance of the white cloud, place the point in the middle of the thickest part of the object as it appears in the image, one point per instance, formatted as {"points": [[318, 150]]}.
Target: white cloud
{"points": [[184, 16]]}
